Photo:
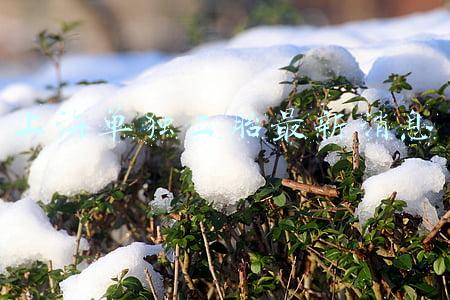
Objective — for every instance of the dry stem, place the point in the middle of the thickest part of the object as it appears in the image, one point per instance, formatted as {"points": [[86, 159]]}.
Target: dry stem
{"points": [[210, 263], [310, 188], [150, 283]]}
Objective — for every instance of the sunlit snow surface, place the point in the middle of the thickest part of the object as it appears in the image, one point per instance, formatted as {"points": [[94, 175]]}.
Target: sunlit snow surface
{"points": [[235, 78]]}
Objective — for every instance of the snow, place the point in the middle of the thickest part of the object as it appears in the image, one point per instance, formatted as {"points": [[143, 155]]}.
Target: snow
{"points": [[26, 235], [206, 83], [325, 63], [376, 146], [239, 77], [22, 129], [79, 114], [416, 181], [214, 144], [19, 95], [428, 61], [74, 165], [385, 97], [93, 281], [114, 68], [235, 78], [162, 199]]}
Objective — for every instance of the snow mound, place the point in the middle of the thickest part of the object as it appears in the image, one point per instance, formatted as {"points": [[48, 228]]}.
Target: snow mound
{"points": [[206, 83], [26, 235], [18, 95], [325, 63], [427, 60], [23, 129], [419, 185], [74, 165], [384, 96], [79, 114], [93, 281], [378, 147], [223, 165]]}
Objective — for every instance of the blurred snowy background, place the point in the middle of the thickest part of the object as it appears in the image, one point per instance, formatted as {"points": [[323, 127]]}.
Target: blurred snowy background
{"points": [[146, 32]]}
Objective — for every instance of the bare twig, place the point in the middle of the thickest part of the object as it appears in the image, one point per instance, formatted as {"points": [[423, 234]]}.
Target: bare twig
{"points": [[291, 274], [78, 238], [210, 263], [132, 162], [398, 116], [310, 188], [50, 279], [355, 151], [150, 284], [185, 270], [243, 280], [445, 219], [176, 272]]}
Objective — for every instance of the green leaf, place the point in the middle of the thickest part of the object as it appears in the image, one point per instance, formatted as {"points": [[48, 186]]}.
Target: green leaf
{"points": [[256, 267], [410, 293], [403, 262], [280, 200], [427, 289], [132, 283], [329, 148], [356, 99], [439, 265]]}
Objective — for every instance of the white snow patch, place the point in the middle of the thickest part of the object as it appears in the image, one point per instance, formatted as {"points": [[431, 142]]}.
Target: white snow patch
{"points": [[223, 165], [93, 281], [378, 149], [74, 165], [416, 181], [26, 235]]}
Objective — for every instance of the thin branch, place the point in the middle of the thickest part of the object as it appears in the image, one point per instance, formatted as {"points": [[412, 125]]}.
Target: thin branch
{"points": [[444, 220], [291, 274], [310, 188], [210, 263], [78, 238], [50, 279], [150, 284], [176, 272], [132, 162], [185, 270], [243, 280]]}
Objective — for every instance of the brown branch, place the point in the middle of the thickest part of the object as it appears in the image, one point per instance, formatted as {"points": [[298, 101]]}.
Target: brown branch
{"points": [[185, 270], [210, 263], [176, 272], [444, 220], [355, 151], [291, 274], [243, 280], [150, 283], [310, 188]]}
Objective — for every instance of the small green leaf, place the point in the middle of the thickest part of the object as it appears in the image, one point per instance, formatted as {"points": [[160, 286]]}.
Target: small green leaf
{"points": [[404, 262], [280, 200], [356, 99], [439, 265], [329, 148], [132, 283], [410, 292], [256, 267]]}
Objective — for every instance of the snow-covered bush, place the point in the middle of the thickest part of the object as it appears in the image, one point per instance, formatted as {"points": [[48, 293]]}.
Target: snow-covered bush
{"points": [[273, 165]]}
